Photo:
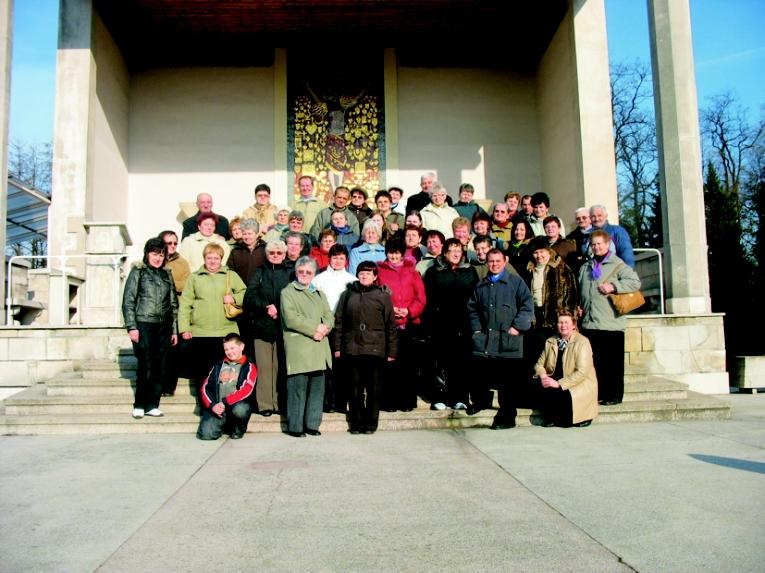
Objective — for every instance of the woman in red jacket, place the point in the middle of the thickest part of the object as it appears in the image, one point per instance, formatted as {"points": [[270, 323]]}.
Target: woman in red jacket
{"points": [[408, 295]]}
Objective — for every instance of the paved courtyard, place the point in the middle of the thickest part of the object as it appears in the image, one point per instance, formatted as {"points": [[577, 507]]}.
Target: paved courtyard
{"points": [[681, 496]]}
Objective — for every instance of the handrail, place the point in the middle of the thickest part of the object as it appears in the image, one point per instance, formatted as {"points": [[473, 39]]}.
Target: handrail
{"points": [[116, 262], [657, 252]]}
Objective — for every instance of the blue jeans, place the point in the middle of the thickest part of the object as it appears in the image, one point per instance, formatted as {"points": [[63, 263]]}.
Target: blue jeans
{"points": [[235, 419], [305, 400]]}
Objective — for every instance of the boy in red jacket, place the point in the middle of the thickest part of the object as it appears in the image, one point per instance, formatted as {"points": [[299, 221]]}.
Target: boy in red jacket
{"points": [[225, 391]]}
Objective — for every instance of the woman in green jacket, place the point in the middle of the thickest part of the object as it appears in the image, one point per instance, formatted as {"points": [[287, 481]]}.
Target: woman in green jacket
{"points": [[201, 319], [306, 322]]}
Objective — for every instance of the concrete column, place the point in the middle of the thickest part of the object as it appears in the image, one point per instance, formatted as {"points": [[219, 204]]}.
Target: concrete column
{"points": [[72, 142], [679, 142], [593, 100], [6, 45], [281, 193]]}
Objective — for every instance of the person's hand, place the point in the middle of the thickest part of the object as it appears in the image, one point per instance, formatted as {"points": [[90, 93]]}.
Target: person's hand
{"points": [[580, 311], [391, 358], [337, 354], [272, 311], [186, 335], [323, 328], [134, 335], [606, 288], [174, 340], [218, 409], [514, 331], [228, 299], [394, 227], [318, 336], [401, 312], [549, 382]]}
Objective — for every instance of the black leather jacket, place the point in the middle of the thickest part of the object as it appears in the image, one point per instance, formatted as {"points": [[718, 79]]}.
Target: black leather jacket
{"points": [[149, 296]]}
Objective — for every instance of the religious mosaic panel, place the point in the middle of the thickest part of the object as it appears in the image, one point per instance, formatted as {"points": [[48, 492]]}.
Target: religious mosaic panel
{"points": [[336, 120]]}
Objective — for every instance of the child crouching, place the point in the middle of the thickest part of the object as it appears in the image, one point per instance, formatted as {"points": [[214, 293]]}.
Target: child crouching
{"points": [[225, 391]]}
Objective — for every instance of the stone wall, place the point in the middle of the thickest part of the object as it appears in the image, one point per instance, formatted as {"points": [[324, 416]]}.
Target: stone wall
{"points": [[31, 355], [685, 348]]}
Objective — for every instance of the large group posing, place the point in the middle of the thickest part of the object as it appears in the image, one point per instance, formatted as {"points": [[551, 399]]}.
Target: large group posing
{"points": [[335, 306]]}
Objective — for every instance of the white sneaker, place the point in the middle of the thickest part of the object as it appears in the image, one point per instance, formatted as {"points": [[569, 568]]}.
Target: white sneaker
{"points": [[438, 406], [155, 413], [460, 406], [137, 413]]}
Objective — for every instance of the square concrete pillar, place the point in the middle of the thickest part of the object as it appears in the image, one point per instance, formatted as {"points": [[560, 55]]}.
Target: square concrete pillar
{"points": [[106, 245]]}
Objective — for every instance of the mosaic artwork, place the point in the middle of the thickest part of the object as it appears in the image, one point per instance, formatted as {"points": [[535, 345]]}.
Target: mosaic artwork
{"points": [[336, 125]]}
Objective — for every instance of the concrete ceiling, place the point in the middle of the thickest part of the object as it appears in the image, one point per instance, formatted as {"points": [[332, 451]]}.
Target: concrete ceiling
{"points": [[493, 33]]}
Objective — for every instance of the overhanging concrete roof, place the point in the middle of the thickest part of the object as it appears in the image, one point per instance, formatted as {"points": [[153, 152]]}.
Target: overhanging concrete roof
{"points": [[160, 33]]}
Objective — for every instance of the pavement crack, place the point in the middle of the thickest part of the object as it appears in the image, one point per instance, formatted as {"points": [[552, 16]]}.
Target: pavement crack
{"points": [[469, 444]]}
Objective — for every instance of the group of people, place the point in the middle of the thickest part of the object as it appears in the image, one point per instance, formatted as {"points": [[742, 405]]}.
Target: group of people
{"points": [[341, 307]]}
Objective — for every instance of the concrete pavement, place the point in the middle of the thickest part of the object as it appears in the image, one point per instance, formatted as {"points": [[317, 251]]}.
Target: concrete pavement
{"points": [[681, 496]]}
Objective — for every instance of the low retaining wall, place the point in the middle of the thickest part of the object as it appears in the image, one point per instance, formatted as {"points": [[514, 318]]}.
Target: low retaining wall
{"points": [[685, 348], [30, 355]]}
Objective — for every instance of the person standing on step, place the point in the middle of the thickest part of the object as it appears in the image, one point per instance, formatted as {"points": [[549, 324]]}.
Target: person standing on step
{"points": [[180, 270], [150, 310], [500, 311], [223, 394]]}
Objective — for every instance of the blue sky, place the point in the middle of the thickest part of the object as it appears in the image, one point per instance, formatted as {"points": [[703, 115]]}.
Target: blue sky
{"points": [[728, 40]]}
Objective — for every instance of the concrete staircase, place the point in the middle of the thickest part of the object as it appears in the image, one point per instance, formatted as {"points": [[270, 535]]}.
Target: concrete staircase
{"points": [[97, 399]]}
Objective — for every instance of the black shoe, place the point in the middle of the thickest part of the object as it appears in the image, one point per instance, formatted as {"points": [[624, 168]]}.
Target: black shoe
{"points": [[266, 413], [237, 435], [583, 424], [355, 432], [502, 425], [368, 432], [473, 409], [313, 432], [547, 424], [297, 434], [168, 394], [609, 402], [407, 409]]}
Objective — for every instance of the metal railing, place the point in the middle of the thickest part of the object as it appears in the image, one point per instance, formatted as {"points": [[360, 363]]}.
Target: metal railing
{"points": [[656, 252], [117, 262]]}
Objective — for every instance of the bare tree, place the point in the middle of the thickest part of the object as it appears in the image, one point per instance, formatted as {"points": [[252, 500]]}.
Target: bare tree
{"points": [[635, 148]]}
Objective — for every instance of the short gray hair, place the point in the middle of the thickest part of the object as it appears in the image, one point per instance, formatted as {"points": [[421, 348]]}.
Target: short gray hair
{"points": [[306, 261], [276, 245], [370, 224], [581, 210], [600, 207], [249, 225], [295, 234]]}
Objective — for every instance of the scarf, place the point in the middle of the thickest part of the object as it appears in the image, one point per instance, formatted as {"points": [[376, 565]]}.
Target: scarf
{"points": [[597, 266]]}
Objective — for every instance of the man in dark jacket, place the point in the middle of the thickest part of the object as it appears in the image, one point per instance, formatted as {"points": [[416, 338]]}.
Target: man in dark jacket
{"points": [[204, 205], [500, 311]]}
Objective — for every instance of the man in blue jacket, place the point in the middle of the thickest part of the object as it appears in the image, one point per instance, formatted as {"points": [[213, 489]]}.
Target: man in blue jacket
{"points": [[620, 238], [500, 311]]}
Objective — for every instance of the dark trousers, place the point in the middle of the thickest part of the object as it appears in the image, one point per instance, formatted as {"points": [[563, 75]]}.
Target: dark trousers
{"points": [[453, 363], [335, 391], [204, 352], [555, 405], [364, 378], [234, 420], [608, 359], [508, 376], [151, 352], [399, 391], [176, 366], [305, 399]]}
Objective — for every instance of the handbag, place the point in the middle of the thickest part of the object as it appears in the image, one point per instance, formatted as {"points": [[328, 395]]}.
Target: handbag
{"points": [[231, 310], [624, 302]]}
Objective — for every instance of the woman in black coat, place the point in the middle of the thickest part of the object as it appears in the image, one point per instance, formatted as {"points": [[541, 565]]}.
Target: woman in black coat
{"points": [[261, 303], [364, 337], [449, 283]]}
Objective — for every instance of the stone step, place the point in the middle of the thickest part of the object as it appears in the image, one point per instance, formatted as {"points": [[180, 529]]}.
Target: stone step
{"points": [[654, 388], [106, 369], [696, 406]]}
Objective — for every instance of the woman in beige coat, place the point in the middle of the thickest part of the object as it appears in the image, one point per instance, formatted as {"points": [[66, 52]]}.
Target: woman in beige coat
{"points": [[569, 387]]}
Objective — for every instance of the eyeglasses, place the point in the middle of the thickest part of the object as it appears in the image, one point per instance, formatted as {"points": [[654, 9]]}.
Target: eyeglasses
{"points": [[304, 272], [171, 242], [274, 253]]}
